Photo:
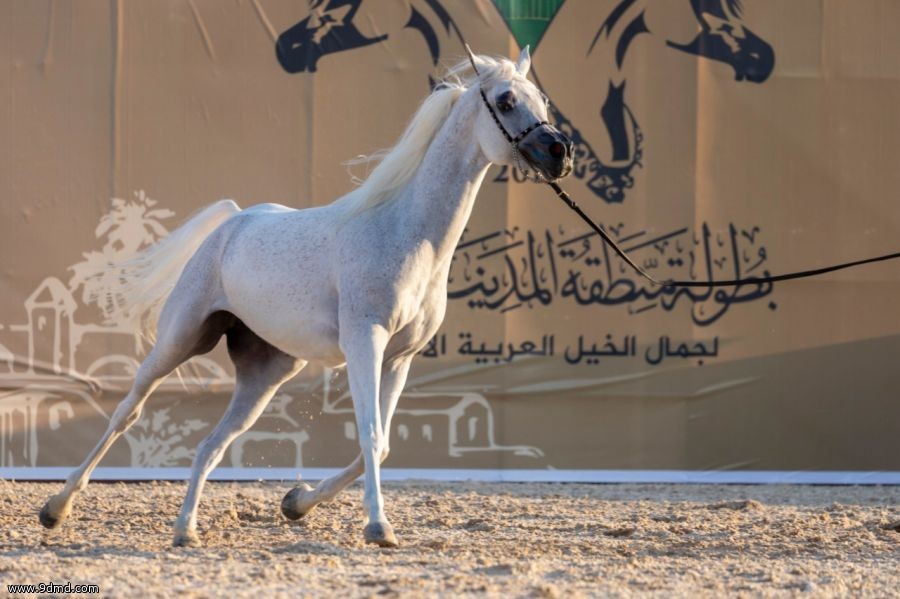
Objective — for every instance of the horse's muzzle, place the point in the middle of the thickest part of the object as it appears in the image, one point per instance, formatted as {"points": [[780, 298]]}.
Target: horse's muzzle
{"points": [[549, 151]]}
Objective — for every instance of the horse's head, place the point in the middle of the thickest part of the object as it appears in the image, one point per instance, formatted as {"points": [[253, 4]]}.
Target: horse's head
{"points": [[328, 28], [725, 38], [521, 124]]}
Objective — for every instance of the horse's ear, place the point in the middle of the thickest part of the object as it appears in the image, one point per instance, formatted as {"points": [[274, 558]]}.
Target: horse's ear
{"points": [[524, 62], [472, 59]]}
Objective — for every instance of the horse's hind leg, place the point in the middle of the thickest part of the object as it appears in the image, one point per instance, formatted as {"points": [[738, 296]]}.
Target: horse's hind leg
{"points": [[178, 341], [261, 369]]}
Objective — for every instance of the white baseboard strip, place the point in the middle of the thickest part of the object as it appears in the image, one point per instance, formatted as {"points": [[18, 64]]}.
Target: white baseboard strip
{"points": [[753, 477]]}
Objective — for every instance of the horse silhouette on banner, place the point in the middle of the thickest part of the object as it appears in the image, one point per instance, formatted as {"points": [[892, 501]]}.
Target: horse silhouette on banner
{"points": [[723, 37]]}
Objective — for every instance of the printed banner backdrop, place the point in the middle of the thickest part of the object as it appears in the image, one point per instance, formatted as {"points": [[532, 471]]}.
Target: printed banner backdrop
{"points": [[721, 139]]}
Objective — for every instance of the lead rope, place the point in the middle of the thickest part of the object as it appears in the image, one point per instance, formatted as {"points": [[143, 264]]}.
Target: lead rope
{"points": [[568, 201]]}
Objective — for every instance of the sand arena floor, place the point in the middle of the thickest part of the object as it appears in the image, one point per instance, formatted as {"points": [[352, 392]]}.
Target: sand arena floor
{"points": [[469, 539]]}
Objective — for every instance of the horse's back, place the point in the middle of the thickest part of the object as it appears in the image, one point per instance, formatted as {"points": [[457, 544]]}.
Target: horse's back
{"points": [[268, 208]]}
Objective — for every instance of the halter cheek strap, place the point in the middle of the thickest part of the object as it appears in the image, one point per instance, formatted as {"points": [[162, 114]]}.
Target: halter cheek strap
{"points": [[518, 158], [512, 140]]}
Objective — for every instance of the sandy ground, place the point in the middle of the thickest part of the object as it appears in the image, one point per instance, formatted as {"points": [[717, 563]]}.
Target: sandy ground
{"points": [[530, 540]]}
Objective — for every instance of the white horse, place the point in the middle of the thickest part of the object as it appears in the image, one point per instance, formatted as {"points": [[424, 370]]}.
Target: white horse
{"points": [[361, 282]]}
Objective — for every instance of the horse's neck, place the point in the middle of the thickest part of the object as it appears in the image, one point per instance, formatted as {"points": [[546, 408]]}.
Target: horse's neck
{"points": [[440, 197]]}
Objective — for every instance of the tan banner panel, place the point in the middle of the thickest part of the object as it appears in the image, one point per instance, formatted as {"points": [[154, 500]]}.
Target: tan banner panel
{"points": [[715, 139]]}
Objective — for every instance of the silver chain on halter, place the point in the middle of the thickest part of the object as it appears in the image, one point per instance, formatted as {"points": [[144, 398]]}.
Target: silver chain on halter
{"points": [[519, 160]]}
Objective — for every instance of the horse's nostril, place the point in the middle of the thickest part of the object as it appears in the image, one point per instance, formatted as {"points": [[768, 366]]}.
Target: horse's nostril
{"points": [[556, 149]]}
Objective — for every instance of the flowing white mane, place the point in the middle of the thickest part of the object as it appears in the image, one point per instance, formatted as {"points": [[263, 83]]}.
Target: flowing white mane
{"points": [[397, 165]]}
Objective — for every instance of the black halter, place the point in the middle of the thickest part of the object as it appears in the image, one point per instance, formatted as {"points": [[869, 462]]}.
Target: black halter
{"points": [[519, 159], [513, 141]]}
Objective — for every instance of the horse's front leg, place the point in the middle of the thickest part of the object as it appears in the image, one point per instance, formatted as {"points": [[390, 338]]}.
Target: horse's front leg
{"points": [[302, 498], [363, 346], [393, 379]]}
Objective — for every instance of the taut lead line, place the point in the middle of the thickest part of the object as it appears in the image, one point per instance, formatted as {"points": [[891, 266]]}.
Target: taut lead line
{"points": [[562, 195]]}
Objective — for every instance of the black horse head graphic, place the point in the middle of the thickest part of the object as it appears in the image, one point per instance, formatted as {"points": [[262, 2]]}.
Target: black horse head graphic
{"points": [[328, 28], [725, 38], [722, 37]]}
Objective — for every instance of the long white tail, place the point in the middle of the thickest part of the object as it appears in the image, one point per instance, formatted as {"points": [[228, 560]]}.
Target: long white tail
{"points": [[148, 278]]}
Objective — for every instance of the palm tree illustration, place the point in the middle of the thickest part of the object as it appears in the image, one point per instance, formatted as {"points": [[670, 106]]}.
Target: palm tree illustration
{"points": [[128, 227]]}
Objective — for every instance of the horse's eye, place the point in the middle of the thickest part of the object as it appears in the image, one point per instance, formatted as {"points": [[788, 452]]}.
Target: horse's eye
{"points": [[506, 101]]}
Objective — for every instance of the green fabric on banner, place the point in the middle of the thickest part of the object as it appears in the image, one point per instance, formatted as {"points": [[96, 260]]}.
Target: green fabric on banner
{"points": [[528, 19]]}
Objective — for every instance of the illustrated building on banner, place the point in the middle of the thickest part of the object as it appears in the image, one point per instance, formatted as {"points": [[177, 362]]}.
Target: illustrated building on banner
{"points": [[47, 367]]}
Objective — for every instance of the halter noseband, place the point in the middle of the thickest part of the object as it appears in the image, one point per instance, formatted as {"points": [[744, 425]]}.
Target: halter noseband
{"points": [[519, 159]]}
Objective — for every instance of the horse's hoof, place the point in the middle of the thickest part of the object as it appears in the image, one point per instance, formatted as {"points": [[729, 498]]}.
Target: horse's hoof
{"points": [[48, 520], [296, 502], [381, 534], [186, 539]]}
